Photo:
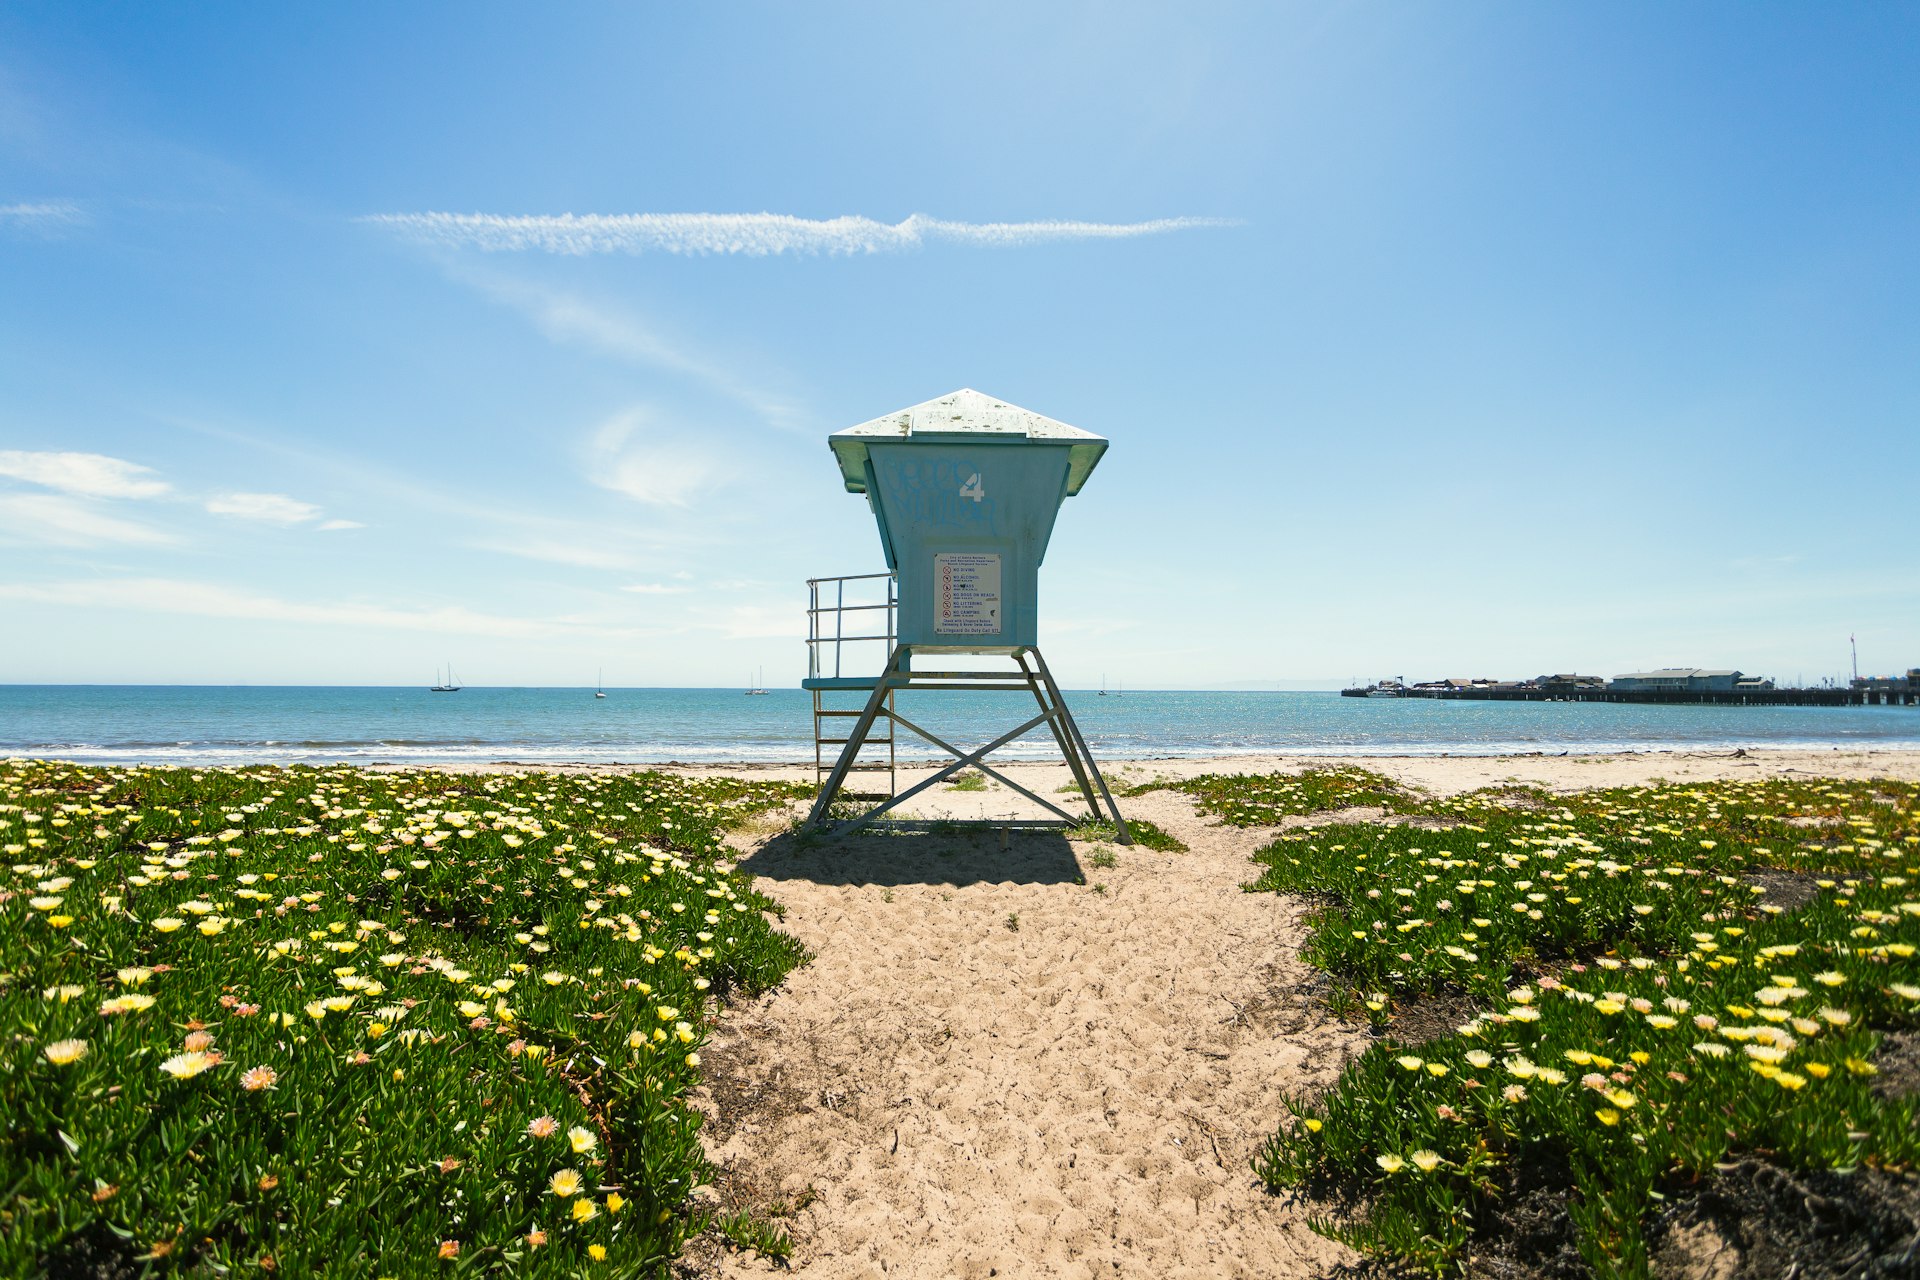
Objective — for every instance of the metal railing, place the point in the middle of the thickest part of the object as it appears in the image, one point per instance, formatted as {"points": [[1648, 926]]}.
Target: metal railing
{"points": [[818, 613], [828, 638]]}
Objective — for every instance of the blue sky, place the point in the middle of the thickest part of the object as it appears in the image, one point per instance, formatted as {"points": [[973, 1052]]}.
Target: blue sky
{"points": [[1431, 340]]}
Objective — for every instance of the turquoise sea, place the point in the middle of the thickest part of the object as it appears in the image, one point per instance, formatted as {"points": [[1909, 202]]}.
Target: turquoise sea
{"points": [[197, 724]]}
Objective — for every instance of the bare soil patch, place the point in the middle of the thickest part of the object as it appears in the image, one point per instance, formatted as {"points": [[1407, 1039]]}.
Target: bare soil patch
{"points": [[1759, 1222], [1788, 890]]}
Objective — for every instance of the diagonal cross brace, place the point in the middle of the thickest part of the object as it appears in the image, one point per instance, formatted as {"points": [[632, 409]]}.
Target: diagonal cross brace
{"points": [[971, 758], [985, 768]]}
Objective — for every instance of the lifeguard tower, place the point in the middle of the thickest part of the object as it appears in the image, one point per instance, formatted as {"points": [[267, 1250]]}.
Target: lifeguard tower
{"points": [[965, 490]]}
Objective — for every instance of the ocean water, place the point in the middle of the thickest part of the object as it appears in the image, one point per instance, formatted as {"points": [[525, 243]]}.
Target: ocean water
{"points": [[206, 725]]}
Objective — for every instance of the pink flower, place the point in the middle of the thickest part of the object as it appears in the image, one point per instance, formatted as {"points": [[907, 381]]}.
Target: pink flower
{"points": [[1594, 1080], [198, 1042], [257, 1078], [544, 1127]]}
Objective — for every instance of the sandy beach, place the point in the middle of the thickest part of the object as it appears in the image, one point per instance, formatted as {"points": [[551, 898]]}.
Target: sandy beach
{"points": [[1055, 1058]]}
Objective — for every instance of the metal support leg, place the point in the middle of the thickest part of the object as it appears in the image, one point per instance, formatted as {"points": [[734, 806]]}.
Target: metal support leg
{"points": [[1060, 736], [861, 728], [1073, 731]]}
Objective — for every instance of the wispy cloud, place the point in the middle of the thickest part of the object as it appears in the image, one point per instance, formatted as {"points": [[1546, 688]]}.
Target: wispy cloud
{"points": [[332, 526], [568, 318], [754, 235], [629, 456], [92, 475], [210, 600], [268, 508], [656, 589], [43, 218], [50, 519]]}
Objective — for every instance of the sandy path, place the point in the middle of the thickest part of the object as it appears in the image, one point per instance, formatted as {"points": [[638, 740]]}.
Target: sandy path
{"points": [[1077, 1097], [949, 1096]]}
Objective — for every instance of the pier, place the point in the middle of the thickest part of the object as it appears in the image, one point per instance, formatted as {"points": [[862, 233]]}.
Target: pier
{"points": [[1694, 697]]}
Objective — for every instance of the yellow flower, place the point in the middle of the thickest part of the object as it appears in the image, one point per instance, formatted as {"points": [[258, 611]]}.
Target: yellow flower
{"points": [[184, 1066], [1391, 1163], [1861, 1067], [583, 1140], [585, 1210], [1788, 1080], [1436, 1068], [598, 1252], [132, 1002], [1622, 1099], [1818, 1070], [62, 1052], [1479, 1058], [1313, 1126], [566, 1183], [1829, 978], [1427, 1161], [1607, 1116], [616, 1202], [167, 924], [1410, 1062]]}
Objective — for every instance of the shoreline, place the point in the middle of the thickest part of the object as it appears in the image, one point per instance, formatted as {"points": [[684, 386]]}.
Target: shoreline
{"points": [[1256, 758]]}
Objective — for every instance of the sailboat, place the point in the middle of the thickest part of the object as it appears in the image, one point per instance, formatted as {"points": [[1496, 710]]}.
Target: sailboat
{"points": [[754, 689], [599, 680], [450, 685], [1103, 684]]}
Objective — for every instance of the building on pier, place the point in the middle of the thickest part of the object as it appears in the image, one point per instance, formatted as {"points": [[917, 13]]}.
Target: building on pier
{"points": [[1677, 679]]}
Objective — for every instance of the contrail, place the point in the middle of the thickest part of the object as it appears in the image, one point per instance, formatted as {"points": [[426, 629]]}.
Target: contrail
{"points": [[755, 235]]}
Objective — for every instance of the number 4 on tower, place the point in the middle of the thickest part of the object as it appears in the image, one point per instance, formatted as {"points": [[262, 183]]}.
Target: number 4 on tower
{"points": [[973, 488]]}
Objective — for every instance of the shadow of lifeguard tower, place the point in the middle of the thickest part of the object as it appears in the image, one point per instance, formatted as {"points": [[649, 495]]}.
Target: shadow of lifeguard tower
{"points": [[965, 490]]}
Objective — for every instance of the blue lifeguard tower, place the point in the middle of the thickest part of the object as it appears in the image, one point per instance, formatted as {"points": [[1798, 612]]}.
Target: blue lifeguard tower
{"points": [[965, 490]]}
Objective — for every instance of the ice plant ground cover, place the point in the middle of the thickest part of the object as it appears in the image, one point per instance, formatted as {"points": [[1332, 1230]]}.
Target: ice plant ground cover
{"points": [[331, 1021], [1645, 1010], [1258, 800]]}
